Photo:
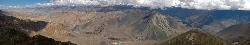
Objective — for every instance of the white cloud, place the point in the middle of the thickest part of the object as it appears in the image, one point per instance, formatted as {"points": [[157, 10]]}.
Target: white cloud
{"points": [[192, 4]]}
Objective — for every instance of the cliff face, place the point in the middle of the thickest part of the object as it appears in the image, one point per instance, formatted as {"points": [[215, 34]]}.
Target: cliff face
{"points": [[14, 31]]}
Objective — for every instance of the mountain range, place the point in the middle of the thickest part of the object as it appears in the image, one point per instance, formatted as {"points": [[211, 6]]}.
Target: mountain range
{"points": [[128, 25]]}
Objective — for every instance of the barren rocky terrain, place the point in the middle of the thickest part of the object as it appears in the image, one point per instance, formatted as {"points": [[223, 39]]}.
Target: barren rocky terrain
{"points": [[14, 31], [123, 25], [133, 27]]}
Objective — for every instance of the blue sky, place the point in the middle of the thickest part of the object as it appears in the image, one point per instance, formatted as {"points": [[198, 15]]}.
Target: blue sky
{"points": [[21, 2]]}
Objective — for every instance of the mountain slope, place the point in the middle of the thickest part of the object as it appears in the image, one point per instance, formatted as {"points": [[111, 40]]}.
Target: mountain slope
{"points": [[195, 37], [133, 25], [96, 25], [14, 31], [160, 27], [245, 42], [239, 32]]}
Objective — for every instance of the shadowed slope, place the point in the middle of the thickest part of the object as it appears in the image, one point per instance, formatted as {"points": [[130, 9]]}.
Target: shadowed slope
{"points": [[26, 25], [13, 31]]}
